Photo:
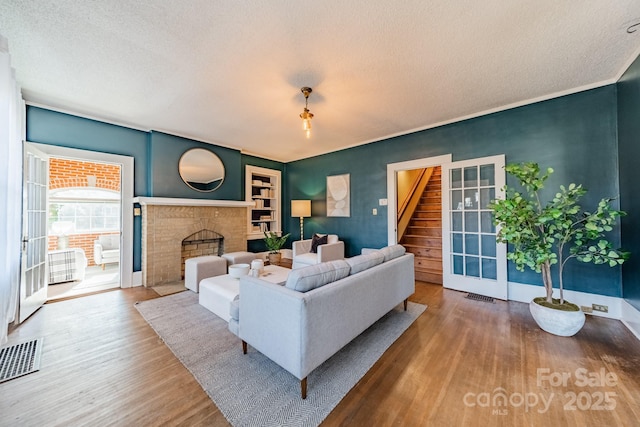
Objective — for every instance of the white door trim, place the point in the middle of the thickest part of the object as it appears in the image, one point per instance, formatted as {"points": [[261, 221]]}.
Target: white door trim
{"points": [[392, 185], [126, 248]]}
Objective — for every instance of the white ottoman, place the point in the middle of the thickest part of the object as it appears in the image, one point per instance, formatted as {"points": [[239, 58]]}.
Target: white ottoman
{"points": [[217, 293], [198, 268]]}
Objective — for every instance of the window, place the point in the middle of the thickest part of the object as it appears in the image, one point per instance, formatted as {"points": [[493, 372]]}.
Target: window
{"points": [[83, 210]]}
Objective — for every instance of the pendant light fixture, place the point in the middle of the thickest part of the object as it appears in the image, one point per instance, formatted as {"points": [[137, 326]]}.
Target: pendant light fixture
{"points": [[306, 115]]}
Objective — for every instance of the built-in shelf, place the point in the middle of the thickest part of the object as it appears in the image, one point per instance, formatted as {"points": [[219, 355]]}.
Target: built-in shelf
{"points": [[170, 201], [262, 191]]}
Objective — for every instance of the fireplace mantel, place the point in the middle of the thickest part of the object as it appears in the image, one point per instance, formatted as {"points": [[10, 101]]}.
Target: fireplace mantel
{"points": [[170, 201]]}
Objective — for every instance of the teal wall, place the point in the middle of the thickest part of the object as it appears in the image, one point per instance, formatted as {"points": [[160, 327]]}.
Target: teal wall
{"points": [[165, 151], [629, 153], [155, 155], [575, 134]]}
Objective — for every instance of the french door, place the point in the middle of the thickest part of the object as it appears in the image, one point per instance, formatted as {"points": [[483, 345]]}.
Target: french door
{"points": [[472, 260], [33, 286]]}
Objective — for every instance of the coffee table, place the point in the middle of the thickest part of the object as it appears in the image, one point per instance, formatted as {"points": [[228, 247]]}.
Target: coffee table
{"points": [[217, 293]]}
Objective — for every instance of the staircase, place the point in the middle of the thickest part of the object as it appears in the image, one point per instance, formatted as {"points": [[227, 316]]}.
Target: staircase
{"points": [[423, 237]]}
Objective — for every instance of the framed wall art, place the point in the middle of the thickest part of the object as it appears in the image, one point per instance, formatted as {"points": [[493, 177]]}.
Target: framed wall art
{"points": [[338, 196]]}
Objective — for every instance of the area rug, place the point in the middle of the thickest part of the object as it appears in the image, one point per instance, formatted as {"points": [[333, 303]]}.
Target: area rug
{"points": [[169, 288], [251, 390]]}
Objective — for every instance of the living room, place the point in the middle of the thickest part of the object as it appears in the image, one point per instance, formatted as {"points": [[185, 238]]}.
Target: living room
{"points": [[587, 135]]}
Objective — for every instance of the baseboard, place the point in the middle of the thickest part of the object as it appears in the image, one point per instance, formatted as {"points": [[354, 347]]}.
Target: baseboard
{"points": [[525, 293], [631, 318], [136, 279]]}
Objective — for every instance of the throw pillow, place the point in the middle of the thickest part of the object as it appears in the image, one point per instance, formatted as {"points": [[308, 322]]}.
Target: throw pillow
{"points": [[314, 276], [362, 262], [393, 251], [316, 241]]}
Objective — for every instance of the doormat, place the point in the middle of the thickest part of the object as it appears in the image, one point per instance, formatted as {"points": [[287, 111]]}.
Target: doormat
{"points": [[477, 297], [20, 359]]}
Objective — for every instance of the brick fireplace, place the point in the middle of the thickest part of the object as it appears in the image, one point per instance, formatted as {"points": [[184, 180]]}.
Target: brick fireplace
{"points": [[166, 222]]}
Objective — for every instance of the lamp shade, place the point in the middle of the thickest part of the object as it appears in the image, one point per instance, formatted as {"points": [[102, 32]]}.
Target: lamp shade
{"points": [[300, 208]]}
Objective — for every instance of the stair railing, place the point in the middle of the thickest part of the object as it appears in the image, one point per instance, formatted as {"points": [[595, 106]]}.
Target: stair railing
{"points": [[408, 206]]}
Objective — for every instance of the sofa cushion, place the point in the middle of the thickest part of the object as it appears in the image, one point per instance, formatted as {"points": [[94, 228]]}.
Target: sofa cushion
{"points": [[316, 241], [393, 251], [311, 277], [362, 262]]}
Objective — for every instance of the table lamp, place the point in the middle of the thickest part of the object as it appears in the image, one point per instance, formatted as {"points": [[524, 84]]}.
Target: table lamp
{"points": [[302, 209]]}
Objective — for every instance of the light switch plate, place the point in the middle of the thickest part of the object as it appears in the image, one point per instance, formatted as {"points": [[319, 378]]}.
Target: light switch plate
{"points": [[382, 202], [374, 211]]}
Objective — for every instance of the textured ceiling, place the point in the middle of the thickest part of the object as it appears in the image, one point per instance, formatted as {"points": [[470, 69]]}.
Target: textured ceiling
{"points": [[230, 72]]}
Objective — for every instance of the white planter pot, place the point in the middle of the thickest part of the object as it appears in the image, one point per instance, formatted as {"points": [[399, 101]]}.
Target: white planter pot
{"points": [[557, 322]]}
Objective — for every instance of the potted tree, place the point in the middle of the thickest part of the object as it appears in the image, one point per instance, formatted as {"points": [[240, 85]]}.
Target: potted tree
{"points": [[274, 243], [543, 234]]}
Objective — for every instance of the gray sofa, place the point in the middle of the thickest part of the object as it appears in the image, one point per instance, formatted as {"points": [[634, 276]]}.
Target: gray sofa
{"points": [[321, 308]]}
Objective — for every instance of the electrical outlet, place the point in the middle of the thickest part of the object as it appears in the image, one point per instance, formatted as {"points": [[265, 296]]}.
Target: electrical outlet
{"points": [[374, 211], [586, 309], [600, 307]]}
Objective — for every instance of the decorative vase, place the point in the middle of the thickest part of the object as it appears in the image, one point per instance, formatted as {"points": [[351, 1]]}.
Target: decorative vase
{"points": [[557, 322], [274, 258]]}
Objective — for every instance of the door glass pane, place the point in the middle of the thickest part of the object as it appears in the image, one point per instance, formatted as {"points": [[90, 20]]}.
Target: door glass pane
{"points": [[489, 269], [487, 222], [486, 196], [457, 264], [456, 200], [471, 176], [456, 178], [487, 175], [472, 266], [489, 245], [471, 199], [456, 243], [471, 222], [456, 221], [471, 244]]}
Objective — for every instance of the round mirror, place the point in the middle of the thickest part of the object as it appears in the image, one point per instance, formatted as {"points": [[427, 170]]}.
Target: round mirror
{"points": [[201, 170]]}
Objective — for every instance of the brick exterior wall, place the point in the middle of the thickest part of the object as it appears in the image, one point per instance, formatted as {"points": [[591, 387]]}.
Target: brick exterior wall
{"points": [[65, 173], [164, 228]]}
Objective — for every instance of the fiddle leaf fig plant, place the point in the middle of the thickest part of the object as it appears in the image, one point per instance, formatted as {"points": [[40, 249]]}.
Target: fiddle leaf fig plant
{"points": [[545, 233]]}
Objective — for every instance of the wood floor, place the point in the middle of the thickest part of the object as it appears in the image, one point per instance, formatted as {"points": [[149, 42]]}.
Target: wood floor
{"points": [[103, 365]]}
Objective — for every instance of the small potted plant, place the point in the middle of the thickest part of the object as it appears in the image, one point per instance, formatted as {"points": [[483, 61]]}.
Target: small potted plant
{"points": [[274, 243], [541, 235]]}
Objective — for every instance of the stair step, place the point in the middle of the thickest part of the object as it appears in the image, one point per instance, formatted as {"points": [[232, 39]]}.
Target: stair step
{"points": [[429, 192], [424, 251], [431, 200], [413, 230], [424, 264], [427, 213], [426, 222], [425, 241]]}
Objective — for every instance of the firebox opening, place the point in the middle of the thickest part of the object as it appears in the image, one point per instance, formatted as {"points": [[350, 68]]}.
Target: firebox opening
{"points": [[203, 242]]}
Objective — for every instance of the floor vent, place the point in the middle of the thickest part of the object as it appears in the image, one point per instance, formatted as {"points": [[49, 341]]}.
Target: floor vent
{"points": [[20, 359], [477, 297]]}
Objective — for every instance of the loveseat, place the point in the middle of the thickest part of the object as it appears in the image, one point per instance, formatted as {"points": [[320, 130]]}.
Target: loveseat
{"points": [[321, 308]]}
